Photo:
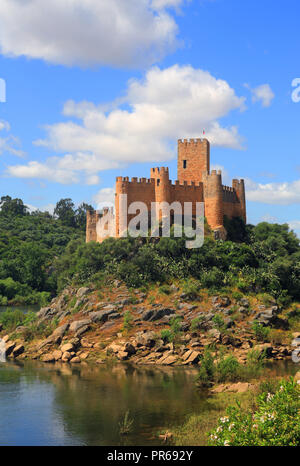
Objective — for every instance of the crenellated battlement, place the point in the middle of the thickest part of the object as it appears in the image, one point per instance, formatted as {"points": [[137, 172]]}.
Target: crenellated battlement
{"points": [[192, 141], [195, 183], [159, 171]]}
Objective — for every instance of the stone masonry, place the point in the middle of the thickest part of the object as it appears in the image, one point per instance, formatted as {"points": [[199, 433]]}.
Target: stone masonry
{"points": [[196, 183]]}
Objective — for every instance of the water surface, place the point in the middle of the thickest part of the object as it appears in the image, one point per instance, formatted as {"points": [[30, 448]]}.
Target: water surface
{"points": [[62, 405]]}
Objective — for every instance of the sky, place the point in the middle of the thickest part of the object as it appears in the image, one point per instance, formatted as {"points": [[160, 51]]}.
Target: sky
{"points": [[94, 89]]}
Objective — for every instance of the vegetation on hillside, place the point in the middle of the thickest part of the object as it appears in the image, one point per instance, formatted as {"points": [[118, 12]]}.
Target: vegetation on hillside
{"points": [[40, 254], [30, 243], [266, 261]]}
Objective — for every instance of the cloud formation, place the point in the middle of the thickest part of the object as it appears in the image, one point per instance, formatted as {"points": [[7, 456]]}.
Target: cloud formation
{"points": [[262, 93], [8, 142], [286, 193], [90, 32], [179, 101], [105, 197]]}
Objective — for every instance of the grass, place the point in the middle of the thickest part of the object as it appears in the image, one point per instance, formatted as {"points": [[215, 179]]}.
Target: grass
{"points": [[126, 425], [193, 432], [228, 369]]}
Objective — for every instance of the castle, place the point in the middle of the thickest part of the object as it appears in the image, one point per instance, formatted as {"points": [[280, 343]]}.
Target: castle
{"points": [[195, 183]]}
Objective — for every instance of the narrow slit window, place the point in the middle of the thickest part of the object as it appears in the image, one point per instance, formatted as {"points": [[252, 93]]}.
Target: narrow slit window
{"points": [[158, 181], [184, 164]]}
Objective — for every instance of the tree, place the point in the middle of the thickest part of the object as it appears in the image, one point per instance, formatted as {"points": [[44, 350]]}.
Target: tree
{"points": [[12, 207], [80, 215], [64, 210]]}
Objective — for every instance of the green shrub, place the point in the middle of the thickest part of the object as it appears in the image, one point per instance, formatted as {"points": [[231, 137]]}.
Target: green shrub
{"points": [[195, 323], [191, 290], [206, 373], [275, 421], [127, 322], [228, 369], [261, 333], [12, 319], [164, 289], [218, 322], [237, 295], [167, 336]]}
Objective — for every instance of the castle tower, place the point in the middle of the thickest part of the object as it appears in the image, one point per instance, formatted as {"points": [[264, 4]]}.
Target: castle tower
{"points": [[213, 199], [122, 187], [162, 189], [239, 187], [193, 159], [91, 222]]}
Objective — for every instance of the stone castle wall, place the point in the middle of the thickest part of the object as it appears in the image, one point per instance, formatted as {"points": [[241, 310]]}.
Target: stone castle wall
{"points": [[195, 184]]}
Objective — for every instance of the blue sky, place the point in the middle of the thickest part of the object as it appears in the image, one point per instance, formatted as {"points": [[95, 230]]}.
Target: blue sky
{"points": [[105, 87]]}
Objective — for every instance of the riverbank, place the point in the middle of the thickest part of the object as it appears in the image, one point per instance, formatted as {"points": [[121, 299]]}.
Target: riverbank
{"points": [[162, 325]]}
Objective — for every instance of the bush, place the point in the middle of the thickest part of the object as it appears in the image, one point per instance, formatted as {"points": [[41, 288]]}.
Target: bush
{"points": [[167, 336], [261, 333], [127, 322], [275, 421], [218, 322], [12, 319], [228, 369], [206, 374]]}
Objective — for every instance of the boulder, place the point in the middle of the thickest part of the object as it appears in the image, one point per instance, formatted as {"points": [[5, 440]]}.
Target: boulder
{"points": [[114, 315], [147, 339], [193, 358], [48, 358], [214, 333], [82, 330], [18, 350], [122, 355], [57, 354], [82, 292], [244, 302], [60, 331], [9, 348], [102, 316], [77, 324], [114, 348], [75, 360], [168, 361], [67, 347], [44, 312], [66, 356], [129, 348], [147, 315], [160, 313]]}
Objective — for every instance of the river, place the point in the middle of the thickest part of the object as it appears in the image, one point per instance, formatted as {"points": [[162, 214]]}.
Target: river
{"points": [[62, 405]]}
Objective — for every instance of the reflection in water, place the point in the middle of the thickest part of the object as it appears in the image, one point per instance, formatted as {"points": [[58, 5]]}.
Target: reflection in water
{"points": [[83, 405]]}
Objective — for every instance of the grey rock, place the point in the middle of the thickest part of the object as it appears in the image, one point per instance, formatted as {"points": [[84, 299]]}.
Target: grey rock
{"points": [[244, 302], [82, 292], [101, 316], [77, 324], [82, 330]]}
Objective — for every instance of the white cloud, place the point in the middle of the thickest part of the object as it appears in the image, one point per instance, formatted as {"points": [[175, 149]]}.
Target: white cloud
{"points": [[9, 143], [161, 4], [285, 193], [47, 208], [295, 226], [179, 101], [88, 32], [262, 93], [104, 198]]}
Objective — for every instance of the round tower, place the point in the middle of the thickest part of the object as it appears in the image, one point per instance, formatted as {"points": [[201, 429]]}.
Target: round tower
{"points": [[213, 199]]}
